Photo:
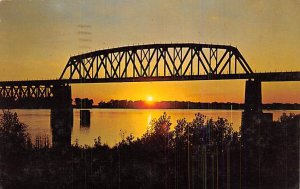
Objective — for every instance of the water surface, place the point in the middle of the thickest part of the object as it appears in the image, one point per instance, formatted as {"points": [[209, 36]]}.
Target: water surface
{"points": [[110, 124]]}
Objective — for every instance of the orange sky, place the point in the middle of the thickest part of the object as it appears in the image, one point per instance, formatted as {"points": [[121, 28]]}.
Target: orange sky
{"points": [[37, 37]]}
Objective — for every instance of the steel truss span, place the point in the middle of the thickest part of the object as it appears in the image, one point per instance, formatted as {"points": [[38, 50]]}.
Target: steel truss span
{"points": [[30, 91], [186, 60]]}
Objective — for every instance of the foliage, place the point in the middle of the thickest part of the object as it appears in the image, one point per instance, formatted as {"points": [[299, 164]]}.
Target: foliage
{"points": [[13, 133], [197, 154]]}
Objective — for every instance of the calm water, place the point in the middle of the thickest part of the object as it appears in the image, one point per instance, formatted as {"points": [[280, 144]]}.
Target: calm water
{"points": [[110, 123]]}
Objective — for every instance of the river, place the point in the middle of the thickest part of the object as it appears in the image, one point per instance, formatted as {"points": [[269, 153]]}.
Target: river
{"points": [[111, 124]]}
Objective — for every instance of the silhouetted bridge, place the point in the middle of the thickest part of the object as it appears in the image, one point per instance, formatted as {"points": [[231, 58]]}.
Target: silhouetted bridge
{"points": [[141, 63], [154, 62]]}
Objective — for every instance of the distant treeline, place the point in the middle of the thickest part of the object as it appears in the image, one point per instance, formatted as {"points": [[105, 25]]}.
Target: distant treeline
{"points": [[128, 104]]}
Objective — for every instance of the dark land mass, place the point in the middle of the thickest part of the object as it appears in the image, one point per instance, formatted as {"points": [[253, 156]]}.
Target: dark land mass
{"points": [[30, 103], [128, 104]]}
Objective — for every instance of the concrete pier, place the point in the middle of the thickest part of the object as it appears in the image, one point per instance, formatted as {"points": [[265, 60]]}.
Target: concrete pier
{"points": [[61, 117], [85, 118]]}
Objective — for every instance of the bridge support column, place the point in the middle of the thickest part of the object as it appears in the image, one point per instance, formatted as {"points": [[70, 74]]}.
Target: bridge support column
{"points": [[253, 114], [253, 121], [61, 117], [85, 118], [253, 100], [253, 103]]}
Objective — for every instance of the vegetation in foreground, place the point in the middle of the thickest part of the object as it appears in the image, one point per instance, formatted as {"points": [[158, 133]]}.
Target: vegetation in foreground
{"points": [[204, 153]]}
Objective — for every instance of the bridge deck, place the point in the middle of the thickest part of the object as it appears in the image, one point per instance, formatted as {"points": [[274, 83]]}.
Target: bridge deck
{"points": [[264, 77]]}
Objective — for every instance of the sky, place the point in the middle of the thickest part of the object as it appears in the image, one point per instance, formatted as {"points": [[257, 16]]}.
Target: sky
{"points": [[37, 37]]}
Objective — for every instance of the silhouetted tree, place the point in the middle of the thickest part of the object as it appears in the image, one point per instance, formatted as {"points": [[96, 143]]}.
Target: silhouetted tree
{"points": [[271, 153], [83, 103], [13, 133], [203, 153], [14, 141]]}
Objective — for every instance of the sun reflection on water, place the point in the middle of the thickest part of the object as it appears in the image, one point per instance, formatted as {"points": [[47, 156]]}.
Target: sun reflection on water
{"points": [[149, 125]]}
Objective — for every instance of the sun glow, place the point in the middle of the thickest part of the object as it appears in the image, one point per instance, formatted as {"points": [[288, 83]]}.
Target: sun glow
{"points": [[149, 98]]}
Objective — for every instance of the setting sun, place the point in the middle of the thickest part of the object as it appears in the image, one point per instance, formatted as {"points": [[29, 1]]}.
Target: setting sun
{"points": [[149, 98]]}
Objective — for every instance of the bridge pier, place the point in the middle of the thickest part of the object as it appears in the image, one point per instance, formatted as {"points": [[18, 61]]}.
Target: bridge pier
{"points": [[253, 114], [253, 122], [253, 104], [61, 117], [85, 118]]}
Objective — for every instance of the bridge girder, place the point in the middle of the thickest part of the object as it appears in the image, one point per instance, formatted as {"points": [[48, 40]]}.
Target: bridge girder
{"points": [[27, 91], [26, 96], [156, 60]]}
